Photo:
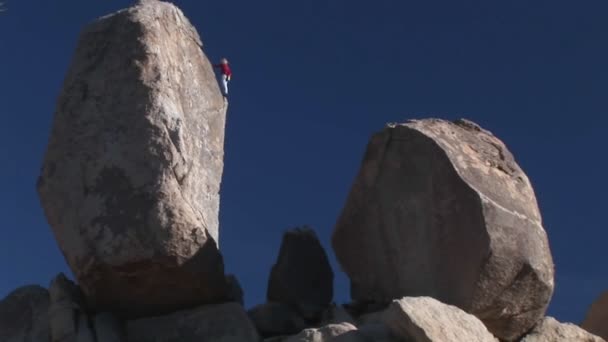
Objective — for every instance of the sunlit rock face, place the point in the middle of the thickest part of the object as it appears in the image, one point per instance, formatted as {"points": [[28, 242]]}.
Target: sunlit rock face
{"points": [[131, 176], [442, 209]]}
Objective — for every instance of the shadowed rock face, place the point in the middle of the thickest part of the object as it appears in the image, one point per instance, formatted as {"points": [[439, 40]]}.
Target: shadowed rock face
{"points": [[596, 320], [67, 317], [132, 172], [24, 315], [223, 323], [274, 319], [302, 277], [442, 209]]}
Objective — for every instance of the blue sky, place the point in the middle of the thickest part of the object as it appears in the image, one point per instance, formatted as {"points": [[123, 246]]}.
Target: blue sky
{"points": [[312, 81]]}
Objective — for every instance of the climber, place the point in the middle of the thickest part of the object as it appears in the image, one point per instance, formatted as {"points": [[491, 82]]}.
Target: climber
{"points": [[226, 75]]}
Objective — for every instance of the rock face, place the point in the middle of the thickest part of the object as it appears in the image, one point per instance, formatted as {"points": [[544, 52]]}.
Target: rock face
{"points": [[275, 319], [596, 321], [107, 328], [550, 330], [344, 332], [442, 209], [234, 292], [302, 276], [223, 323], [424, 319], [336, 314], [23, 315], [67, 317], [377, 333], [132, 172]]}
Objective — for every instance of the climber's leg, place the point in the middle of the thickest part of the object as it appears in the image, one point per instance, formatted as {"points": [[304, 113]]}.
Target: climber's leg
{"points": [[225, 85]]}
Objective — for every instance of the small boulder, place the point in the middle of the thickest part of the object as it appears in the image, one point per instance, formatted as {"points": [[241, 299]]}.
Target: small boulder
{"points": [[550, 330], [424, 319], [441, 209], [302, 276], [596, 321], [222, 322], [344, 332], [276, 319], [24, 315]]}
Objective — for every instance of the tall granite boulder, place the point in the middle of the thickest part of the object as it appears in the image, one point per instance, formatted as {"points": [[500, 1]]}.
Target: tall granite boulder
{"points": [[596, 321], [442, 209], [24, 315], [302, 276], [131, 176]]}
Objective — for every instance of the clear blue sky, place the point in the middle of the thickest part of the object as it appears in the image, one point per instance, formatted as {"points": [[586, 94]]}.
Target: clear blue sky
{"points": [[312, 81]]}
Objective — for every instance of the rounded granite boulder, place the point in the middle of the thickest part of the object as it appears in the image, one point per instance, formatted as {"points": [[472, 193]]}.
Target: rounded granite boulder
{"points": [[441, 209]]}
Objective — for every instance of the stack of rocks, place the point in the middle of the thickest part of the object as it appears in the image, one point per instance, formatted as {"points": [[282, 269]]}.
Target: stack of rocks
{"points": [[441, 234]]}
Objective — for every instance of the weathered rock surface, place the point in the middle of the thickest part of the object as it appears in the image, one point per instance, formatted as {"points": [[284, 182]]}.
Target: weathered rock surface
{"points": [[67, 317], [359, 308], [596, 321], [371, 318], [132, 172], [302, 276], [222, 323], [276, 339], [442, 209], [550, 330], [344, 332], [377, 332], [234, 291], [23, 315], [108, 328], [336, 314], [276, 319], [424, 319]]}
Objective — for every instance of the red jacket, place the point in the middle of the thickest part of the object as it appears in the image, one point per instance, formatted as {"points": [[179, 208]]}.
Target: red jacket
{"points": [[225, 69]]}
